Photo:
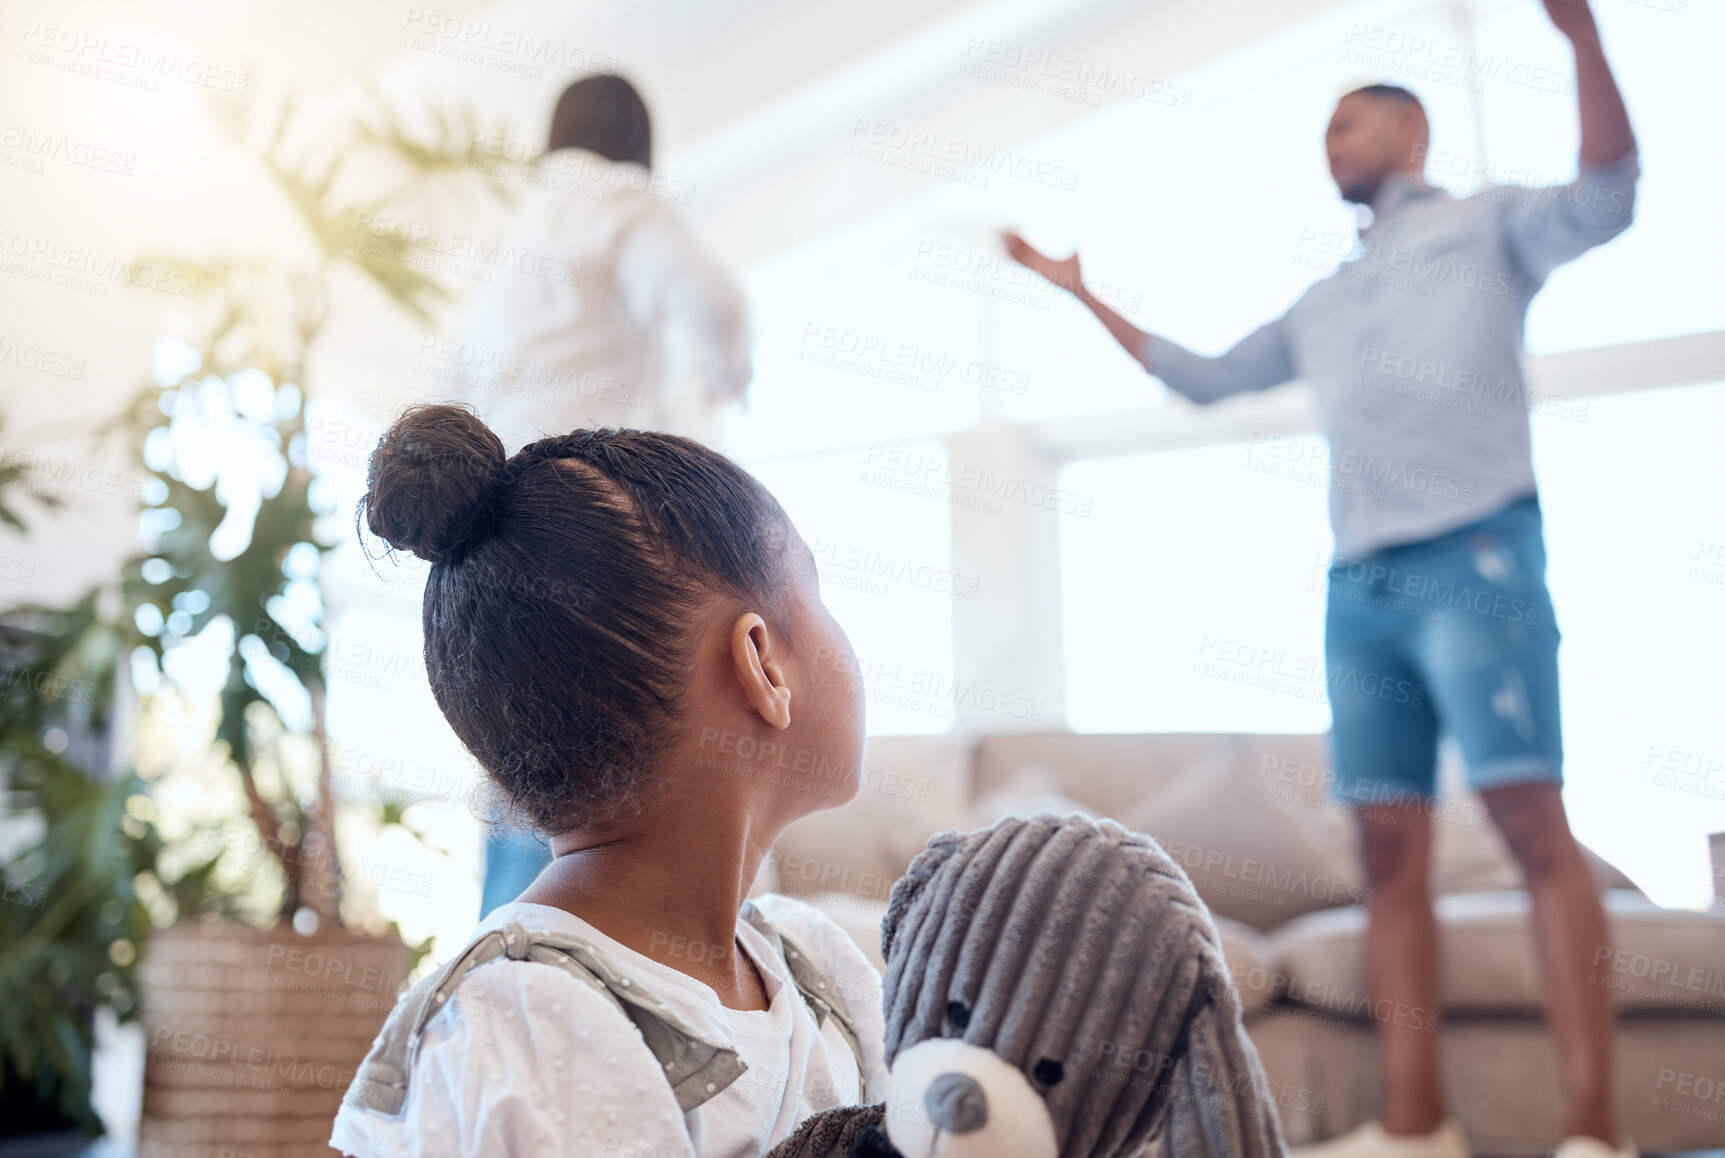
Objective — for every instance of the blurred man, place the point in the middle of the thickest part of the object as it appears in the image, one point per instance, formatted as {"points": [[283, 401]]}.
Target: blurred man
{"points": [[1438, 616]]}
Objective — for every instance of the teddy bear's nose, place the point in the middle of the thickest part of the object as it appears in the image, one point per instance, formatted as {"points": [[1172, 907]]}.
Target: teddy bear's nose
{"points": [[956, 1103]]}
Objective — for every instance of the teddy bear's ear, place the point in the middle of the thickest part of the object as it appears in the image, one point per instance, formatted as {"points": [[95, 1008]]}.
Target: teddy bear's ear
{"points": [[905, 890]]}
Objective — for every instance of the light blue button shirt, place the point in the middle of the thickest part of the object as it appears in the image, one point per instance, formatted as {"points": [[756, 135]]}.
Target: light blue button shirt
{"points": [[1413, 346]]}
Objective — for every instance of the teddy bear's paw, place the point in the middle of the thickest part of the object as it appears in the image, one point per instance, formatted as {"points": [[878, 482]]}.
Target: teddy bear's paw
{"points": [[873, 1143]]}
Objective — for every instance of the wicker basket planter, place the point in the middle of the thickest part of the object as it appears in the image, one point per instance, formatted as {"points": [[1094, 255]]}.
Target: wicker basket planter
{"points": [[254, 1034]]}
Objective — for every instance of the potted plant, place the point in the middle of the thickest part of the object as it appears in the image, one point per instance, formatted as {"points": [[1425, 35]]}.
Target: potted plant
{"points": [[254, 1031], [257, 1000], [72, 922]]}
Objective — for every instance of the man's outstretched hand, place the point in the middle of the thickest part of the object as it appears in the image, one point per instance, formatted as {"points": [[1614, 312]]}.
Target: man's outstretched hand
{"points": [[1572, 17], [1063, 273]]}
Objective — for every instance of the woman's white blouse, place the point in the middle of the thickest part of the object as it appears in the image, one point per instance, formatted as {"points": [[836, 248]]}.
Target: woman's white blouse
{"points": [[598, 293]]}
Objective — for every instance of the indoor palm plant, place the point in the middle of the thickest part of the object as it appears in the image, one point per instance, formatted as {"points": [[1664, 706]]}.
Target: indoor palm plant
{"points": [[72, 920], [252, 1032], [236, 539]]}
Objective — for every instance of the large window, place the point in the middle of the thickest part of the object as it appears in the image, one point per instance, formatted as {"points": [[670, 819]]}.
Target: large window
{"points": [[853, 347], [883, 550], [1636, 540], [1193, 593]]}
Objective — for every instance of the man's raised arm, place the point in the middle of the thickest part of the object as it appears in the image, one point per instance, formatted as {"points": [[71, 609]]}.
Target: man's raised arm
{"points": [[1258, 361], [1557, 224], [1605, 132]]}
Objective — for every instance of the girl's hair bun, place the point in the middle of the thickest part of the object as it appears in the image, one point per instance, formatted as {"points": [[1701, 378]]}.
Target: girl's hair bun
{"points": [[432, 481]]}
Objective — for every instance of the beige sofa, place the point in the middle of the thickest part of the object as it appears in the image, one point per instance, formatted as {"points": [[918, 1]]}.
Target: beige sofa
{"points": [[1248, 818]]}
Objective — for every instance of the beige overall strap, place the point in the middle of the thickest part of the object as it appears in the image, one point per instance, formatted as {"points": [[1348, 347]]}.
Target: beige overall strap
{"points": [[819, 991], [696, 1069]]}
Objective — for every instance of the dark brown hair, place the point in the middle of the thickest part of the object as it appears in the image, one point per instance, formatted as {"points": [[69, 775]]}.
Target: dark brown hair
{"points": [[1394, 92], [603, 113], [564, 591]]}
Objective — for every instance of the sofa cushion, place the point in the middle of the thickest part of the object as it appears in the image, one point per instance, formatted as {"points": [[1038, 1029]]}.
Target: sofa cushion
{"points": [[1469, 854], [1106, 773], [1251, 963], [1502, 1078], [1254, 855], [1031, 790], [1263, 798], [1259, 845], [1667, 960]]}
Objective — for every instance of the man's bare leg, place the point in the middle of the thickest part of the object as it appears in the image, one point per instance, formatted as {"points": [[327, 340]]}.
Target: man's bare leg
{"points": [[1401, 962], [1569, 929]]}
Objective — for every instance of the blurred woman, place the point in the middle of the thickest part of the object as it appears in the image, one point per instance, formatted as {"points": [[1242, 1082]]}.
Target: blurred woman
{"points": [[603, 311], [599, 286]]}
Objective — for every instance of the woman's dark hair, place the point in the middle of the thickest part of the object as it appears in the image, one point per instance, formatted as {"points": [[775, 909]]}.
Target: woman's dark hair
{"points": [[564, 590], [604, 114], [1393, 92]]}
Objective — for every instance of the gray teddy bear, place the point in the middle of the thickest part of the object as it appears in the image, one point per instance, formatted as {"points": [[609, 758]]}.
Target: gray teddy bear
{"points": [[1054, 988]]}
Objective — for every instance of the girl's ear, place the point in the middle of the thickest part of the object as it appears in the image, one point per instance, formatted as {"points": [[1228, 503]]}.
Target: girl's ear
{"points": [[755, 661]]}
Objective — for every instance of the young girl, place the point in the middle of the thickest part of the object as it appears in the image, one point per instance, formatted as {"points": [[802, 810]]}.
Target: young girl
{"points": [[627, 633]]}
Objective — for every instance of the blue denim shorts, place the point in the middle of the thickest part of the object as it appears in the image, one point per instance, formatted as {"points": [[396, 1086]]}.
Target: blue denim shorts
{"points": [[1449, 635]]}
